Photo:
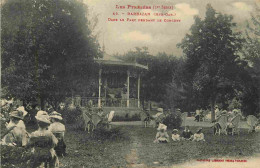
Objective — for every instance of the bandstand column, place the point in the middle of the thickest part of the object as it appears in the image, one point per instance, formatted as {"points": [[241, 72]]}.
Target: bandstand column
{"points": [[128, 81], [138, 91], [99, 87]]}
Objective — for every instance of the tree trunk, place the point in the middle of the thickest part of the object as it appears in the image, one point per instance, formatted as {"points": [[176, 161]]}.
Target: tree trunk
{"points": [[42, 104], [212, 103]]}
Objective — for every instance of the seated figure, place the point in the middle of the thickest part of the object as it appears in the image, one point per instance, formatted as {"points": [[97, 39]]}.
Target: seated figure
{"points": [[16, 131], [58, 129], [161, 136], [43, 142], [198, 136], [187, 134], [175, 135]]}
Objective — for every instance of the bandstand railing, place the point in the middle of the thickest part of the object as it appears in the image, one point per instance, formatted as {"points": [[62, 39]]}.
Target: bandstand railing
{"points": [[109, 102]]}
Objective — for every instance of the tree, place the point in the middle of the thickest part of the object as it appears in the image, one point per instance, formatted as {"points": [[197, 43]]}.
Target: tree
{"points": [[212, 49], [251, 53], [47, 49], [176, 91], [159, 76]]}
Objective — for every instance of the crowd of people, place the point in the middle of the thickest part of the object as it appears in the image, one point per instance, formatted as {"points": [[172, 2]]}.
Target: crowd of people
{"points": [[201, 115], [163, 137], [46, 143]]}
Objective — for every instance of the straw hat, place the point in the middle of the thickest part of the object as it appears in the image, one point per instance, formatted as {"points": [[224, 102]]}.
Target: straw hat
{"points": [[160, 110], [17, 114], [43, 117], [174, 130], [162, 127], [21, 108], [224, 112], [235, 111], [56, 115]]}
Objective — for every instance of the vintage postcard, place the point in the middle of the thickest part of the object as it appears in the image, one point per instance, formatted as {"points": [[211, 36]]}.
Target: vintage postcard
{"points": [[130, 83]]}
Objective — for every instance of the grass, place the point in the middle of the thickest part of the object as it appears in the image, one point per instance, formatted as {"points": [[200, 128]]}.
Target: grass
{"points": [[89, 153], [85, 151], [238, 146]]}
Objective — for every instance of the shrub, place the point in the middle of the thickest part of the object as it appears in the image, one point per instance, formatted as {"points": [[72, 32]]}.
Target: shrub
{"points": [[14, 156], [70, 116], [108, 134], [79, 124], [135, 117], [173, 120]]}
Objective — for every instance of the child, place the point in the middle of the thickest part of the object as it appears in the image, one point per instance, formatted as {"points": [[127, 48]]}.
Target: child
{"points": [[43, 143], [161, 136], [175, 136], [198, 136], [58, 129], [187, 134], [17, 134]]}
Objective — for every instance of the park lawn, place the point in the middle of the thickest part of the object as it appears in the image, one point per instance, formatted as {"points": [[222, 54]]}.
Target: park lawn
{"points": [[84, 151], [215, 147]]}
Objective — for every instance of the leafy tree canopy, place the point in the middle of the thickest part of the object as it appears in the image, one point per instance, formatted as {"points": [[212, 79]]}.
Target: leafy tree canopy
{"points": [[47, 49], [251, 53], [212, 49], [159, 75]]}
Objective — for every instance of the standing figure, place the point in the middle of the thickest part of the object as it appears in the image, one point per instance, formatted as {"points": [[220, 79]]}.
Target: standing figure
{"points": [[175, 135], [158, 117], [145, 117], [43, 142], [161, 136], [252, 122], [198, 136], [217, 112], [58, 129], [197, 116]]}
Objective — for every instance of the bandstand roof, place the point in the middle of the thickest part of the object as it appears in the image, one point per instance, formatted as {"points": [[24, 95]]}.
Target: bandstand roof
{"points": [[116, 62], [121, 63]]}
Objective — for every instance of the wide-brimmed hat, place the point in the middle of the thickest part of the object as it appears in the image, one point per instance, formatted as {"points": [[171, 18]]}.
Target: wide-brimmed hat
{"points": [[178, 109], [21, 108], [56, 115], [43, 117], [224, 112], [235, 111], [160, 110], [17, 114], [162, 127], [174, 130]]}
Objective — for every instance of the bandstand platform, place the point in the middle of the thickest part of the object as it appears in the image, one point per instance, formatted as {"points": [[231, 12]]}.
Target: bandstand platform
{"points": [[119, 87]]}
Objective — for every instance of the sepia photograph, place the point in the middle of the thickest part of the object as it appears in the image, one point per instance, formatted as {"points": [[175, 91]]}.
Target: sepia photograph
{"points": [[130, 84]]}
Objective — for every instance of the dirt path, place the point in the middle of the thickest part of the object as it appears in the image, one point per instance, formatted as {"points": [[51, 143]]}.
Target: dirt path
{"points": [[132, 158], [189, 121]]}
